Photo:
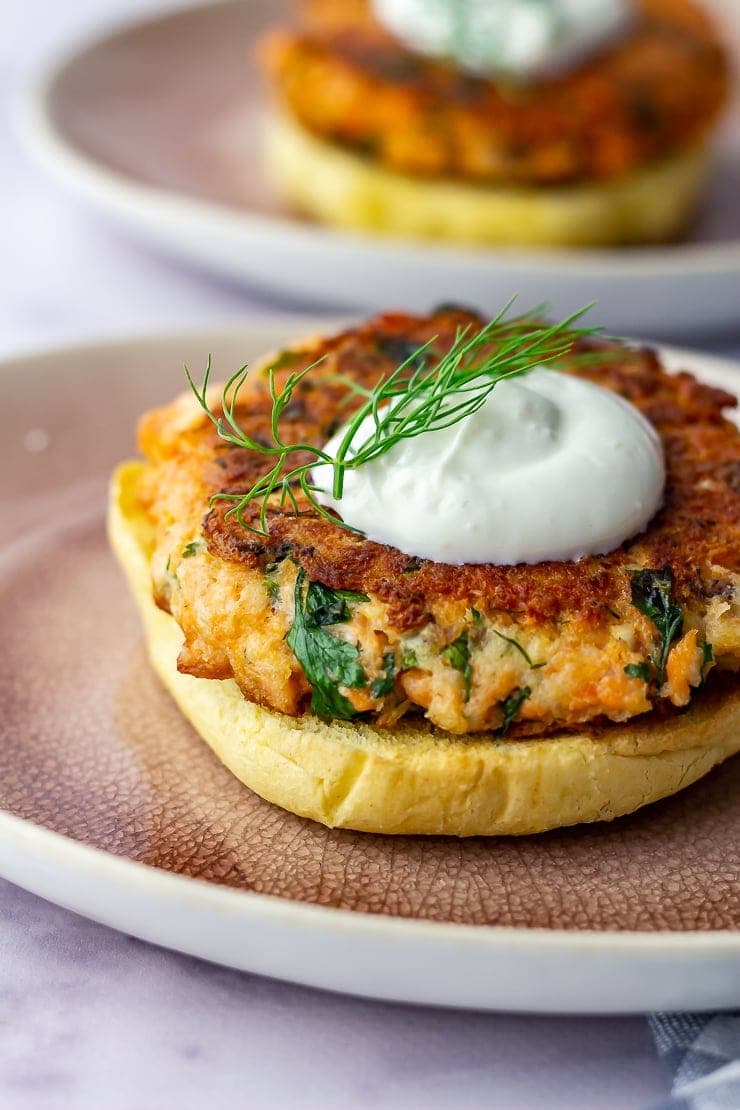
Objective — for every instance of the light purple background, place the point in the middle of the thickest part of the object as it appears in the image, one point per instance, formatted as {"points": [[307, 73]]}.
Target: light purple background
{"points": [[91, 1019]]}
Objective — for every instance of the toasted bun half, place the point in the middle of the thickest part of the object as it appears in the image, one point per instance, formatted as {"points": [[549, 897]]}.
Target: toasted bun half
{"points": [[416, 779], [339, 187]]}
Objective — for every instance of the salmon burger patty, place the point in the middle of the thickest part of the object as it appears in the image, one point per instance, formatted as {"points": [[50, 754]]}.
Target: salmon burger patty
{"points": [[519, 649], [645, 98]]}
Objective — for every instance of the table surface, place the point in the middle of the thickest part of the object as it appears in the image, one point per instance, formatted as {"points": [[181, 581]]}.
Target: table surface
{"points": [[92, 1018]]}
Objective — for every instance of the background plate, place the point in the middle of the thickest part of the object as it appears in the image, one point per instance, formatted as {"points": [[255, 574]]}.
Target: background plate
{"points": [[642, 914], [159, 125]]}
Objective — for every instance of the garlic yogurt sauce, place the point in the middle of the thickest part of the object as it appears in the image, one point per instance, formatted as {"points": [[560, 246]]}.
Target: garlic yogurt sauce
{"points": [[519, 39], [551, 467]]}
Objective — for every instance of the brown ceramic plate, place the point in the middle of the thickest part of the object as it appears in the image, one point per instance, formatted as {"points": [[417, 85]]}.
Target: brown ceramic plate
{"points": [[159, 125], [99, 775]]}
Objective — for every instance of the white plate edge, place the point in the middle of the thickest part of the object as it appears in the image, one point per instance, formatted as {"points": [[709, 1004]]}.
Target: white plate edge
{"points": [[271, 908], [42, 843]]}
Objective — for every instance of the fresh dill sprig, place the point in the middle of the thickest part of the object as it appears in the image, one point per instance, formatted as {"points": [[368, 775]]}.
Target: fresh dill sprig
{"points": [[417, 397]]}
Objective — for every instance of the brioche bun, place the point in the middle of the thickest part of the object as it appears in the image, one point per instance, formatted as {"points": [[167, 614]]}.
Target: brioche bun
{"points": [[337, 186], [416, 779]]}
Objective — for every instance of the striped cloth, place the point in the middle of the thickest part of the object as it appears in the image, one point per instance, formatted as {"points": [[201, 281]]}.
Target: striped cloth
{"points": [[702, 1054]]}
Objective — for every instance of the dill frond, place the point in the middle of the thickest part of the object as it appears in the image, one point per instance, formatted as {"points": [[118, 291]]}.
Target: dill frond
{"points": [[417, 397]]}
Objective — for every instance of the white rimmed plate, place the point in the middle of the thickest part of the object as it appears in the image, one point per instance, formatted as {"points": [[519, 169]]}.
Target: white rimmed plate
{"points": [[111, 806], [158, 125]]}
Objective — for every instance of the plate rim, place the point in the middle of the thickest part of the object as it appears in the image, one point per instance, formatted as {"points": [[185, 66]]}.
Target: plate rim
{"points": [[18, 832], [257, 907], [140, 204]]}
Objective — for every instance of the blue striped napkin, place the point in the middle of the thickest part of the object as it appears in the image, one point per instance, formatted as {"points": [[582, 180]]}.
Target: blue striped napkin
{"points": [[702, 1054]]}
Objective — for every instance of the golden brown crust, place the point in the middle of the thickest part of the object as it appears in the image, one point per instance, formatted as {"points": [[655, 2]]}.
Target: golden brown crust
{"points": [[699, 526], [654, 93], [580, 632]]}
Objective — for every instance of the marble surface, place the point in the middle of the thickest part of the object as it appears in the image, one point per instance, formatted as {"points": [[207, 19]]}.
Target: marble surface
{"points": [[91, 1018]]}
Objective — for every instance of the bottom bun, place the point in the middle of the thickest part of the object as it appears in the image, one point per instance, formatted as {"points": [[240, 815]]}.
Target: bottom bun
{"points": [[416, 779], [337, 186]]}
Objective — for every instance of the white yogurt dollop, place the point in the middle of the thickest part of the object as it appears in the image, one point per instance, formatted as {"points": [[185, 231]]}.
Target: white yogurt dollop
{"points": [[519, 38], [550, 467]]}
